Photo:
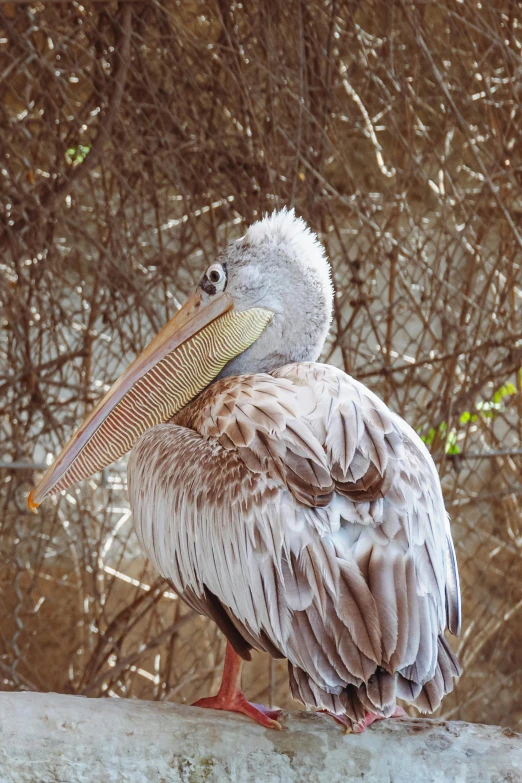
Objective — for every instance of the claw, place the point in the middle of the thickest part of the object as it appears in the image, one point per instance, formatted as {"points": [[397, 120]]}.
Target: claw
{"points": [[340, 719], [358, 728], [371, 717]]}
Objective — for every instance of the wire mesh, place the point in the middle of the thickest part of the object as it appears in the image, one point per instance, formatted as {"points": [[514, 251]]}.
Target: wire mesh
{"points": [[137, 139]]}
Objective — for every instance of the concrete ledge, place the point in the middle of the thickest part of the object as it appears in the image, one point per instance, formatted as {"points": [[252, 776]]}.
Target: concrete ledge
{"points": [[51, 737]]}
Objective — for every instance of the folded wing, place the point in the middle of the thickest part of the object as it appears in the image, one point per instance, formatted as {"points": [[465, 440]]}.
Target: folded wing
{"points": [[307, 520]]}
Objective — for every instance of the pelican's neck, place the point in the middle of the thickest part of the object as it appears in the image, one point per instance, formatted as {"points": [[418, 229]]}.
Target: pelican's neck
{"points": [[246, 364], [285, 340]]}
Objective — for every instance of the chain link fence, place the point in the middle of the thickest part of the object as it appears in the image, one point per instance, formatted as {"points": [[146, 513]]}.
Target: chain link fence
{"points": [[137, 138]]}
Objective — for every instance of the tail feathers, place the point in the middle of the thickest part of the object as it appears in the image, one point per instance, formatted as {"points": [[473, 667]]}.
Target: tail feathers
{"points": [[305, 690], [431, 694], [379, 694], [448, 660], [446, 670], [407, 690], [354, 709]]}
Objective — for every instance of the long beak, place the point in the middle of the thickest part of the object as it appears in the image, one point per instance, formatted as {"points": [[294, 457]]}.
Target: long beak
{"points": [[183, 358]]}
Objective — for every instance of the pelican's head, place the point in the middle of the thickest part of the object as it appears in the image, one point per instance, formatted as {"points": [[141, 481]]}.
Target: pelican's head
{"points": [[279, 265], [266, 301]]}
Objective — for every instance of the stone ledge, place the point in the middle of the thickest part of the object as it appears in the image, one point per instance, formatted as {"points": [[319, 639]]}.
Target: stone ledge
{"points": [[52, 737]]}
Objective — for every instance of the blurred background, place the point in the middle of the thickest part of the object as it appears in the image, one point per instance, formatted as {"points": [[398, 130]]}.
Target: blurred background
{"points": [[136, 139]]}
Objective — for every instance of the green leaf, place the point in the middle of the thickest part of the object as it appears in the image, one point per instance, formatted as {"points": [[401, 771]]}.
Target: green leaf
{"points": [[428, 439], [76, 155], [504, 391], [451, 446], [488, 409], [453, 449]]}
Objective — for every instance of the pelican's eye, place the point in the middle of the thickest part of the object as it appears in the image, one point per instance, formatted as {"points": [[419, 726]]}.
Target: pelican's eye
{"points": [[216, 274]]}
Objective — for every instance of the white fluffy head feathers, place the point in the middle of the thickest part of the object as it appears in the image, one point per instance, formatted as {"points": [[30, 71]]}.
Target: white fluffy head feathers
{"points": [[283, 228]]}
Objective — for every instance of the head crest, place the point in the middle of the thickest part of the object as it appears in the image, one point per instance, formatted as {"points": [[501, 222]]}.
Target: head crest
{"points": [[284, 228]]}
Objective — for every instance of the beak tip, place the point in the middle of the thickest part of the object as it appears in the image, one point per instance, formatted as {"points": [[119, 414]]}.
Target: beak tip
{"points": [[31, 502]]}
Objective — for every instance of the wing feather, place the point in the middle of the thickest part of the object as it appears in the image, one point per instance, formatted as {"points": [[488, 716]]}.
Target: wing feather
{"points": [[307, 520]]}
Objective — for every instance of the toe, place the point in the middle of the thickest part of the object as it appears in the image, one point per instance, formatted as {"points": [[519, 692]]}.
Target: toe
{"points": [[209, 702], [273, 714], [339, 718], [237, 703], [261, 714]]}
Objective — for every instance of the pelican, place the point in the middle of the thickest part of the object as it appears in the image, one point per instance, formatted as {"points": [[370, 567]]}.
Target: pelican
{"points": [[279, 496]]}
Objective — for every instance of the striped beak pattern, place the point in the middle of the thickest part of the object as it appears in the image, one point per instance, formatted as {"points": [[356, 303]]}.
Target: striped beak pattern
{"points": [[183, 358]]}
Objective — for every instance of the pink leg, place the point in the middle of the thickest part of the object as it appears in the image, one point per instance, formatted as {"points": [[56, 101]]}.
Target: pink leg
{"points": [[371, 717], [231, 699]]}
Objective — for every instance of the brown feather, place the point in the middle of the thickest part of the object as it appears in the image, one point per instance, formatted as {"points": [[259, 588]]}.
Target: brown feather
{"points": [[357, 609], [354, 709], [216, 611], [316, 518], [381, 691]]}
